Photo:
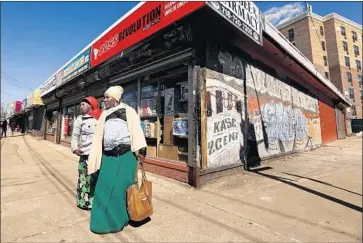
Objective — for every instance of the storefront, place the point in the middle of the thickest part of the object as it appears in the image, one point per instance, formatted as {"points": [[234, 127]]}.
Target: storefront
{"points": [[34, 116], [209, 99]]}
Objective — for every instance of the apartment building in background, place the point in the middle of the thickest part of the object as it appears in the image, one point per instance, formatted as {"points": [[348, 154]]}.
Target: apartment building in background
{"points": [[334, 45]]}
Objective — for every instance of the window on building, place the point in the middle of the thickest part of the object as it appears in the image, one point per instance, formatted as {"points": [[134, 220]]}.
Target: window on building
{"points": [[327, 75], [361, 95], [342, 30], [291, 35], [347, 61], [351, 93], [360, 80], [359, 65], [356, 51], [354, 110], [354, 36], [321, 30], [325, 61], [323, 45], [345, 46], [349, 77]]}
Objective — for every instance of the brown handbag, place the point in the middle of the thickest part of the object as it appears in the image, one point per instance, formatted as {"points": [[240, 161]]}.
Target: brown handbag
{"points": [[139, 199]]}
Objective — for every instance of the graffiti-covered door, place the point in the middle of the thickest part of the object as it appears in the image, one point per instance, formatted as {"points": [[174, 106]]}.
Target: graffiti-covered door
{"points": [[340, 123]]}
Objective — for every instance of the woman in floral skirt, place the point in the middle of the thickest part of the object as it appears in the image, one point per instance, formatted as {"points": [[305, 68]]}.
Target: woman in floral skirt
{"points": [[83, 130]]}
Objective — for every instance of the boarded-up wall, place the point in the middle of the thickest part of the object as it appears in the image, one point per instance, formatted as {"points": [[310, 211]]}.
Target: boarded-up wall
{"points": [[327, 119], [225, 115]]}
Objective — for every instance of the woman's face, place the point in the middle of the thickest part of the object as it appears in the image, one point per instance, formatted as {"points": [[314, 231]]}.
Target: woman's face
{"points": [[85, 108], [109, 101]]}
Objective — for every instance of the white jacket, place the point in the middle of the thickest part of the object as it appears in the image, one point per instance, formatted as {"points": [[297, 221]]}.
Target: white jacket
{"points": [[82, 135]]}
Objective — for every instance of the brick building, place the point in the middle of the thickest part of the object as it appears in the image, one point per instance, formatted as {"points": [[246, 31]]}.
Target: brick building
{"points": [[334, 45]]}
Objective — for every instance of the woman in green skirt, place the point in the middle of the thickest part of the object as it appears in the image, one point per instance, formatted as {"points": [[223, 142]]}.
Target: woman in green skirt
{"points": [[117, 143], [82, 135]]}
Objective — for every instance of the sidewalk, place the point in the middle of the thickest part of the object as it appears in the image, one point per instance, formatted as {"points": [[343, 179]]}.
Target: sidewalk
{"points": [[311, 197]]}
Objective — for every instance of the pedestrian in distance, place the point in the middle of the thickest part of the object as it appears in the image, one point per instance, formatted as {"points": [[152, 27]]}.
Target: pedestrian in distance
{"points": [[118, 142], [83, 130], [4, 128], [12, 127]]}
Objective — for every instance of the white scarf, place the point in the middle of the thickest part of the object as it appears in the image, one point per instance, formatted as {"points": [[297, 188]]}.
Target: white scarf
{"points": [[137, 136]]}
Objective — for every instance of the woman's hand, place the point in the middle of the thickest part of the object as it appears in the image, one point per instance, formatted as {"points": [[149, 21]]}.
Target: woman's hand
{"points": [[141, 158], [78, 152]]}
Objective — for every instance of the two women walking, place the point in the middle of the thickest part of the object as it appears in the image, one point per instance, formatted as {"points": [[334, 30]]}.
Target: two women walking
{"points": [[117, 143]]}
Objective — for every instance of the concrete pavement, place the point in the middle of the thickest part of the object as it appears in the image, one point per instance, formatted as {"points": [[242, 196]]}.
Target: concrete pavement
{"points": [[310, 197]]}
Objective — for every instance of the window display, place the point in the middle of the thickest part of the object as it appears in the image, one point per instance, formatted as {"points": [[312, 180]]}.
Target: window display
{"points": [[164, 114], [52, 122], [67, 122], [129, 96]]}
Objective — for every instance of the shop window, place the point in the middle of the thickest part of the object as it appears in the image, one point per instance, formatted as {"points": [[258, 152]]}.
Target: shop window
{"points": [[321, 30], [291, 35], [342, 30], [323, 45], [347, 61], [359, 65], [164, 114], [101, 103], [52, 122], [129, 96], [356, 51], [67, 122]]}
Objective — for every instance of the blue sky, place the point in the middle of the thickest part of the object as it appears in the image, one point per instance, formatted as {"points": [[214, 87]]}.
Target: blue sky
{"points": [[37, 38]]}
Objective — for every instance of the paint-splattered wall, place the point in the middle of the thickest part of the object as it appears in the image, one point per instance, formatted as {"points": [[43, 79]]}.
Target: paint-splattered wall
{"points": [[280, 118]]}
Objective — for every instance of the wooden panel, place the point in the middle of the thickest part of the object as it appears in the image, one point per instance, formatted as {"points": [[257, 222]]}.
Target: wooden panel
{"points": [[203, 119], [327, 120], [168, 130]]}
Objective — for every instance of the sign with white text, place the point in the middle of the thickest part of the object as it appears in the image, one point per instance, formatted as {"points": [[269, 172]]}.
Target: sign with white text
{"points": [[244, 15]]}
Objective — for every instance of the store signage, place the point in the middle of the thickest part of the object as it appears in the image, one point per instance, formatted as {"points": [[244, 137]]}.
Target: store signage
{"points": [[49, 85], [18, 105], [34, 99], [79, 65], [24, 105], [142, 23], [244, 15]]}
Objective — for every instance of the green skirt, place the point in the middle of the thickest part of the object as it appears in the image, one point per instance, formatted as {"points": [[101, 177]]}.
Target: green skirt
{"points": [[109, 209]]}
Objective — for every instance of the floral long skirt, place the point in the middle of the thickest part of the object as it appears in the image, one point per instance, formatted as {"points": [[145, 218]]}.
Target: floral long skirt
{"points": [[86, 185]]}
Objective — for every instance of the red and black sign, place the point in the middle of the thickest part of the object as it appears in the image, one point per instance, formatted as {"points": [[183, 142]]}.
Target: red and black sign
{"points": [[140, 24]]}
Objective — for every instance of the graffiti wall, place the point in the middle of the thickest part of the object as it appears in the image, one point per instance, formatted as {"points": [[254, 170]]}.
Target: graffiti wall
{"points": [[225, 114], [279, 118], [284, 118]]}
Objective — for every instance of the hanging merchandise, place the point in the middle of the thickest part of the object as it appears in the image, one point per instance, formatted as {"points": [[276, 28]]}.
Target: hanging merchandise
{"points": [[169, 101]]}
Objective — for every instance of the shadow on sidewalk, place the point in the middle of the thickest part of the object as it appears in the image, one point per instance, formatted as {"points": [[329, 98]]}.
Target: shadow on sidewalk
{"points": [[324, 183], [325, 196]]}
